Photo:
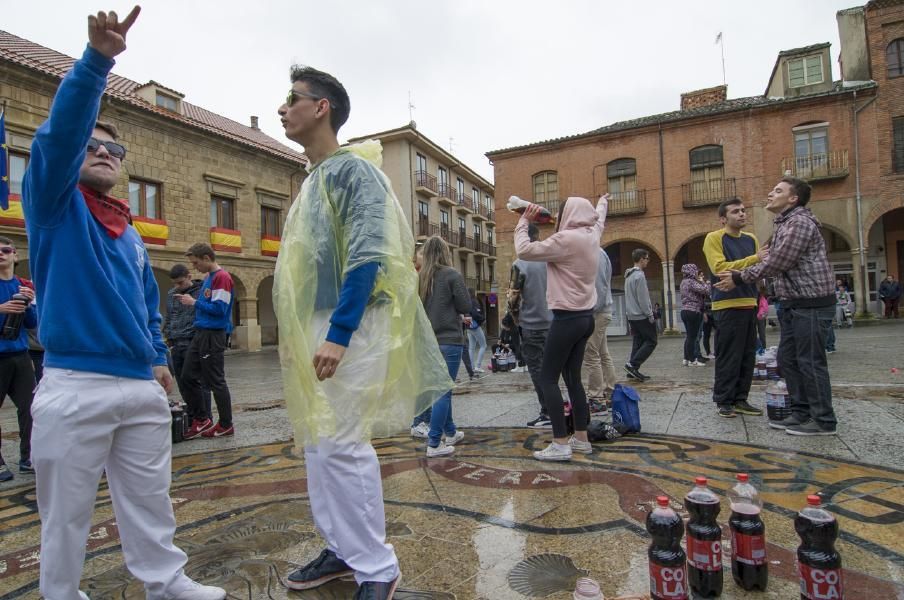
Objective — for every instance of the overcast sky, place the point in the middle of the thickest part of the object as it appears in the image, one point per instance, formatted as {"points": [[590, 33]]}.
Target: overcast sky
{"points": [[487, 73]]}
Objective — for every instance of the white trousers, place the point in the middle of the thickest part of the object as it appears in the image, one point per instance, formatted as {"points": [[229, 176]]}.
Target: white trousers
{"points": [[345, 487], [85, 423]]}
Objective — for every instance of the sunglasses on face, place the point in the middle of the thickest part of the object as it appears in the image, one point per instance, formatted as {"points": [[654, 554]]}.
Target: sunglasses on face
{"points": [[295, 94], [115, 150], [7, 250]]}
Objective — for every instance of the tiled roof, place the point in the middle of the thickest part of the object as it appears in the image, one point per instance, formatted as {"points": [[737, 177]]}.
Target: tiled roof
{"points": [[731, 105], [50, 62]]}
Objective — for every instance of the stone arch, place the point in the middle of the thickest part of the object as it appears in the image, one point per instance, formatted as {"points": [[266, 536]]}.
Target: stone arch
{"points": [[690, 251], [884, 206], [633, 237], [266, 313]]}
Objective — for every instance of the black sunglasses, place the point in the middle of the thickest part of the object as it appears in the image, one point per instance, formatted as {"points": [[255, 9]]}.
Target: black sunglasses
{"points": [[115, 150], [294, 95]]}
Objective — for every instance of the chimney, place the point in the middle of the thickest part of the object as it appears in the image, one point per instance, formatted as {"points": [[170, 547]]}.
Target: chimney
{"points": [[254, 123], [701, 98]]}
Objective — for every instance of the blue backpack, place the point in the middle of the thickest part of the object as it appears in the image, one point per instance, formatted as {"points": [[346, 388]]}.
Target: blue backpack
{"points": [[626, 408]]}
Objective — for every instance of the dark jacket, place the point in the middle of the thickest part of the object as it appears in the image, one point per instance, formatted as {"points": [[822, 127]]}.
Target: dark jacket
{"points": [[890, 290], [179, 323], [446, 302]]}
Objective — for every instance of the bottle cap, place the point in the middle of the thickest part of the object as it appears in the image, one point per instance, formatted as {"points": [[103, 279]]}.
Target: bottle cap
{"points": [[742, 477], [700, 481], [814, 500], [662, 501]]}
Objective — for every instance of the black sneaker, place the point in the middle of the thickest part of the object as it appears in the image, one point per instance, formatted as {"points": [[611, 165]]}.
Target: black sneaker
{"points": [[5, 473], [727, 411], [541, 422], [746, 409], [632, 372], [784, 423], [377, 590], [809, 428], [25, 466], [322, 569]]}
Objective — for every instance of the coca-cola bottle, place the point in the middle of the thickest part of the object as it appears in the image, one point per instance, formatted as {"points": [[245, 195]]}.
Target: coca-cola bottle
{"points": [[12, 325], [518, 205], [668, 566], [704, 541], [818, 564], [748, 536]]}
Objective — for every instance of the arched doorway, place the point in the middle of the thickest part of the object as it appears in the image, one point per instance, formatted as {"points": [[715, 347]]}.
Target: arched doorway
{"points": [[619, 253], [266, 314], [885, 253]]}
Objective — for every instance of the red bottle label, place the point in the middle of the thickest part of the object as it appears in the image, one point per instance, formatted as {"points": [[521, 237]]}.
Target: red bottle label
{"points": [[706, 556], [748, 549], [820, 584], [668, 582]]}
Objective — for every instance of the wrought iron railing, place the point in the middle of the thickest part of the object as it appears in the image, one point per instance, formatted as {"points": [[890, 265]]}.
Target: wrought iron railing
{"points": [[425, 179], [707, 193], [826, 165]]}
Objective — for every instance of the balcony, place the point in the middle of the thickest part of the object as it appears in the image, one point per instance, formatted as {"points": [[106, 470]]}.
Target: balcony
{"points": [[491, 217], [481, 213], [490, 250], [463, 203], [472, 283], [480, 247], [425, 183], [817, 167], [708, 193], [446, 194], [631, 202], [465, 244], [424, 228], [444, 232]]}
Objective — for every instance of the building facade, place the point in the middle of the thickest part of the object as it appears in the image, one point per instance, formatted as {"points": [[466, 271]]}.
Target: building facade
{"points": [[667, 173], [443, 197], [190, 176]]}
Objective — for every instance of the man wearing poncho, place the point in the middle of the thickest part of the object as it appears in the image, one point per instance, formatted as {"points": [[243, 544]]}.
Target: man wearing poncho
{"points": [[358, 354]]}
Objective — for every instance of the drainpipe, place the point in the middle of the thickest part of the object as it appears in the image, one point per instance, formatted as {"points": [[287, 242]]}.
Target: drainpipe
{"points": [[864, 285], [665, 231]]}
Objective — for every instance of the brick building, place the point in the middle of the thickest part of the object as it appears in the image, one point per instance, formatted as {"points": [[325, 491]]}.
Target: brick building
{"points": [[190, 175], [667, 173], [441, 196]]}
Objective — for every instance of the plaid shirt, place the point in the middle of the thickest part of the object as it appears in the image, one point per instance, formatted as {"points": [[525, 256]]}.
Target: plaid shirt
{"points": [[797, 259]]}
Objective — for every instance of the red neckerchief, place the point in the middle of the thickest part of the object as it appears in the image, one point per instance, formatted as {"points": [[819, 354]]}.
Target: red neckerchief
{"points": [[112, 213]]}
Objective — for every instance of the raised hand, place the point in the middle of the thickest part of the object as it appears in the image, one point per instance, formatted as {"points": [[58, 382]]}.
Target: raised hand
{"points": [[107, 34]]}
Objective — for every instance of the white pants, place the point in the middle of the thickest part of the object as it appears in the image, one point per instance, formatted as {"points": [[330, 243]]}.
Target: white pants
{"points": [[345, 487], [85, 423]]}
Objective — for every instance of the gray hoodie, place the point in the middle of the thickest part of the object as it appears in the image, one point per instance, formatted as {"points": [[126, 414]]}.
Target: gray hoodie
{"points": [[535, 314], [603, 285], [637, 296]]}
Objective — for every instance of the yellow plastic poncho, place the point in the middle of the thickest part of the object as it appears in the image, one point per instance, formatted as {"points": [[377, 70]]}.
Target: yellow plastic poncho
{"points": [[346, 215]]}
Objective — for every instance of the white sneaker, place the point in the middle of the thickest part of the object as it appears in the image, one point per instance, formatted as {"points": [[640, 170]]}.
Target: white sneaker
{"points": [[451, 441], [696, 363], [552, 452], [579, 446], [421, 430], [441, 450], [710, 356], [684, 362], [201, 592], [479, 371]]}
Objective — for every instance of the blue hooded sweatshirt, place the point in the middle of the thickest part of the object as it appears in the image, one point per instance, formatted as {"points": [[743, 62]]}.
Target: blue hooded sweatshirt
{"points": [[99, 302]]}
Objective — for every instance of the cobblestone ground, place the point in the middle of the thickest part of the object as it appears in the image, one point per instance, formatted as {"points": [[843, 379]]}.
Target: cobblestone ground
{"points": [[491, 523]]}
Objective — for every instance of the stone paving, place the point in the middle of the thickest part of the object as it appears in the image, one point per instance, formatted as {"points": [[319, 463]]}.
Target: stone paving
{"points": [[492, 523]]}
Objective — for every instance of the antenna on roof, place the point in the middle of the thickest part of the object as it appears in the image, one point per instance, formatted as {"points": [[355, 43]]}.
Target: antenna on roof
{"points": [[451, 139], [722, 46], [411, 107]]}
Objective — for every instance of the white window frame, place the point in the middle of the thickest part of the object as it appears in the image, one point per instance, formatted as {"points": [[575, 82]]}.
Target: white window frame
{"points": [[804, 60]]}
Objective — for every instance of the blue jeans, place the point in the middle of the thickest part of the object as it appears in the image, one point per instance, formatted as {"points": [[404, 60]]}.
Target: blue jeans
{"points": [[441, 416]]}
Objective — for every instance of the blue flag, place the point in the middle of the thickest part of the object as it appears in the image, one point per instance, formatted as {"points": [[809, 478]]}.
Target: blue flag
{"points": [[4, 161]]}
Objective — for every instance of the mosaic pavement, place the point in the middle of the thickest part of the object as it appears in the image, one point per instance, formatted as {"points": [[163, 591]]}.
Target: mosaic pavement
{"points": [[489, 523]]}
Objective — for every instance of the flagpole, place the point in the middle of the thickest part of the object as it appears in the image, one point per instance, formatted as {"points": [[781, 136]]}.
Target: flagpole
{"points": [[722, 47]]}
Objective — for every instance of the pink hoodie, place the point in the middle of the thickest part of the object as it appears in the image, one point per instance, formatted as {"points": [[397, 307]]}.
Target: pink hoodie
{"points": [[572, 254]]}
